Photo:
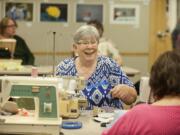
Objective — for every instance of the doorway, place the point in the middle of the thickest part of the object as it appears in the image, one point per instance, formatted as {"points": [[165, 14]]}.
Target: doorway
{"points": [[159, 37]]}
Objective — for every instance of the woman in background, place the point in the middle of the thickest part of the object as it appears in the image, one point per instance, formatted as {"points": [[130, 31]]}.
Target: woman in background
{"points": [[8, 30], [106, 47]]}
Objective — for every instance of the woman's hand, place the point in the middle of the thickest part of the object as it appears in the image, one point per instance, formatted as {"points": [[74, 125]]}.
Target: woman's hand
{"points": [[125, 93]]}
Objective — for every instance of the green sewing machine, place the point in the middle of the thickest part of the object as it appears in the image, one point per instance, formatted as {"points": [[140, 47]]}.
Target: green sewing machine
{"points": [[42, 89]]}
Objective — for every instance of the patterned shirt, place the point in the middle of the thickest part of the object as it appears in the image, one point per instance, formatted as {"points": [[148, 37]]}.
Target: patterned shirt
{"points": [[107, 75]]}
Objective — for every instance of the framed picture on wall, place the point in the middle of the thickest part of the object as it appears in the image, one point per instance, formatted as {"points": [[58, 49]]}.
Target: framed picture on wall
{"points": [[19, 11], [51, 12], [124, 14], [87, 12]]}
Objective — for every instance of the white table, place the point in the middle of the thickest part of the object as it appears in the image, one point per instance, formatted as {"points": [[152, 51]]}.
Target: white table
{"points": [[90, 127], [28, 126], [16, 124], [26, 70], [130, 71], [48, 70]]}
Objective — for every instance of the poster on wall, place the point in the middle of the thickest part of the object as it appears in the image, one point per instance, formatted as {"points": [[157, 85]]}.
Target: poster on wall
{"points": [[87, 12], [124, 14], [51, 12], [19, 11]]}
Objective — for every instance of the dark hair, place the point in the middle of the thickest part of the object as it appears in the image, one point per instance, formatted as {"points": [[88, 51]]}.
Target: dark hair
{"points": [[165, 75], [174, 35], [4, 23], [178, 23], [98, 26]]}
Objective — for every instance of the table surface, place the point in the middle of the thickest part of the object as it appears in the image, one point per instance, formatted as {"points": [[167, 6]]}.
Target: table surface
{"points": [[48, 70], [89, 126], [16, 124], [26, 70]]}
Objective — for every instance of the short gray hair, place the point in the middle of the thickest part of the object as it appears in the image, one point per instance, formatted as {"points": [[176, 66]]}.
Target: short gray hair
{"points": [[84, 31]]}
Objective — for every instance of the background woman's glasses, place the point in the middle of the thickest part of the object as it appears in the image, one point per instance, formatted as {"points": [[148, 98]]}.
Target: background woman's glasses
{"points": [[93, 42]]}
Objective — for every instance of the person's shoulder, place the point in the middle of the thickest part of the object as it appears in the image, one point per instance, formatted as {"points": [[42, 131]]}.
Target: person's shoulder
{"points": [[18, 38], [141, 109], [141, 106], [107, 60], [67, 62], [108, 63], [65, 67], [104, 59]]}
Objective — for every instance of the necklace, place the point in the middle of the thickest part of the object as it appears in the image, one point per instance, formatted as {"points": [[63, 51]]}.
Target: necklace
{"points": [[85, 71]]}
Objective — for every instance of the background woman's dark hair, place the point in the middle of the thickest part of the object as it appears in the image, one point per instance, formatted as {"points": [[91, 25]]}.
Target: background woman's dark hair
{"points": [[175, 33], [98, 26], [4, 23], [165, 75]]}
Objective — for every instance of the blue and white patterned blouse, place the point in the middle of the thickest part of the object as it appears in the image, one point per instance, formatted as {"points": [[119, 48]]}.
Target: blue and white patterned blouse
{"points": [[107, 75]]}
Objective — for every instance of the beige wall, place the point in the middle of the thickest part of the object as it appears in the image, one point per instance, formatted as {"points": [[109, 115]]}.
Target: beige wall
{"points": [[131, 40]]}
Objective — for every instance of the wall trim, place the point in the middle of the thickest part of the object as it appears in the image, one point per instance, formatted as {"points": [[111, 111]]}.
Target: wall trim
{"points": [[134, 53]]}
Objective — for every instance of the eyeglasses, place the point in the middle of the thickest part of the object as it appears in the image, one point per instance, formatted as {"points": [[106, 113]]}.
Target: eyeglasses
{"points": [[11, 26], [82, 42]]}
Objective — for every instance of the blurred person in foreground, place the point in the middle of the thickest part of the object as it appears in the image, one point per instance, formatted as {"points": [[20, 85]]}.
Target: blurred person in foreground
{"points": [[161, 117], [106, 83], [8, 31]]}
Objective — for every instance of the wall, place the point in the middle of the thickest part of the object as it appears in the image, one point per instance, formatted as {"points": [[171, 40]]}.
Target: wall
{"points": [[131, 40], [172, 14]]}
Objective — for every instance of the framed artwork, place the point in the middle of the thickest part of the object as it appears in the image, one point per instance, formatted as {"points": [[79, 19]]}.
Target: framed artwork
{"points": [[19, 11], [124, 14], [87, 12], [51, 12]]}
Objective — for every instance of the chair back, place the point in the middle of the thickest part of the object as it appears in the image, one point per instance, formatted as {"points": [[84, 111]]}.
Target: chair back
{"points": [[145, 90]]}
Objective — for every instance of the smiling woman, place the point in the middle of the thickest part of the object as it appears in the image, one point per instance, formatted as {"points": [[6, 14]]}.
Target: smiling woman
{"points": [[107, 85]]}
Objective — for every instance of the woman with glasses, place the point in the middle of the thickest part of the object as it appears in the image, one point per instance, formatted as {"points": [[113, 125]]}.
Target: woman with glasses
{"points": [[7, 31], [106, 84]]}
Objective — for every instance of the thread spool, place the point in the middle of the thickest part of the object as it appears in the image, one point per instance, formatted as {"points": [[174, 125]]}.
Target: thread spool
{"points": [[72, 86], [34, 72]]}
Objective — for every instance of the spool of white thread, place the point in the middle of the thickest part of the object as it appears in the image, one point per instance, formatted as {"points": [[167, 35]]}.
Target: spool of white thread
{"points": [[60, 84], [72, 86], [34, 72]]}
